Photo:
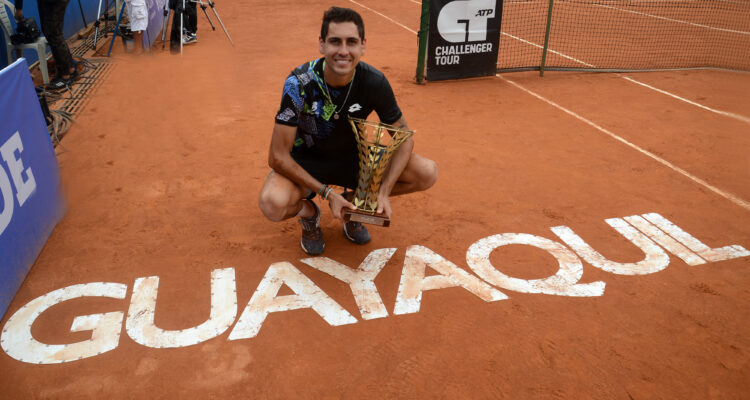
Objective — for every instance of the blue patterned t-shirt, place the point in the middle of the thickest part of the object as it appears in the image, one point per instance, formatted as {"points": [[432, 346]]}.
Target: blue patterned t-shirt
{"points": [[323, 142]]}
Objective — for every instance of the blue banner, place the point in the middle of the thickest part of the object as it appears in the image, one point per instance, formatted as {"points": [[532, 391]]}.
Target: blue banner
{"points": [[30, 200], [155, 21]]}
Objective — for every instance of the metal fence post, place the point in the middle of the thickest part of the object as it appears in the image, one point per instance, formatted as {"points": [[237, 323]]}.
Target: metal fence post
{"points": [[422, 38], [546, 39]]}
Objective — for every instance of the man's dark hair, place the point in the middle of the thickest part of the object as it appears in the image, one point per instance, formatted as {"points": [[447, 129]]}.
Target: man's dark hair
{"points": [[338, 15]]}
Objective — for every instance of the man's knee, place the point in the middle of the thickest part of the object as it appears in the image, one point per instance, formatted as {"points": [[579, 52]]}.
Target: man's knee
{"points": [[273, 206], [428, 174], [279, 197]]}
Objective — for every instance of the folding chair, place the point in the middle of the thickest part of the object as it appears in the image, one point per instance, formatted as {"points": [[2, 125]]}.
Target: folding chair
{"points": [[40, 45]]}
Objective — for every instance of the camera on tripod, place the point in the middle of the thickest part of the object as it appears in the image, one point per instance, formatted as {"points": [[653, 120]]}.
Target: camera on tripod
{"points": [[179, 7]]}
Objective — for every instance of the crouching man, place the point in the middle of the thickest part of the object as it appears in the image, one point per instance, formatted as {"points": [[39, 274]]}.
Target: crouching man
{"points": [[313, 145]]}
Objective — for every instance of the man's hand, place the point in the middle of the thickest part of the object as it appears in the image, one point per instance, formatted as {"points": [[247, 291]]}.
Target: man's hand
{"points": [[337, 204], [19, 14], [384, 204]]}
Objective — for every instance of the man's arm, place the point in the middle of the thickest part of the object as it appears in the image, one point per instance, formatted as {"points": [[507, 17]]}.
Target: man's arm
{"points": [[398, 162], [281, 161]]}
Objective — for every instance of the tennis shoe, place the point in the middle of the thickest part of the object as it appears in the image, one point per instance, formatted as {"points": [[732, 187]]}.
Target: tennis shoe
{"points": [[356, 233], [59, 83], [312, 241], [189, 38]]}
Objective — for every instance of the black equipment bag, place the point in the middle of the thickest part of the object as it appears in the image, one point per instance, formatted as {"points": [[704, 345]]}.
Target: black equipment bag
{"points": [[27, 31]]}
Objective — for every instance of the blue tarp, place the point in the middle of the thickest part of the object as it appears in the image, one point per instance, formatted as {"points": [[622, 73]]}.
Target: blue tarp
{"points": [[30, 199]]}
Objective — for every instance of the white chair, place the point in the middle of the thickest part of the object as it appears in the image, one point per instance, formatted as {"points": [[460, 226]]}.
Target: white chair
{"points": [[40, 45]]}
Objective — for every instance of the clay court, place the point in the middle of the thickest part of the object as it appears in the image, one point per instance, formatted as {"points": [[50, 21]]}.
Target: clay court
{"points": [[162, 171]]}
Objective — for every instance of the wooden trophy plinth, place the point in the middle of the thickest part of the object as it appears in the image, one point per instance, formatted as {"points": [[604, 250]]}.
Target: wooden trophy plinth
{"points": [[366, 218]]}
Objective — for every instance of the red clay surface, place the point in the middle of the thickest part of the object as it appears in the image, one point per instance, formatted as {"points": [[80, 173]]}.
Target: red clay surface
{"points": [[162, 172]]}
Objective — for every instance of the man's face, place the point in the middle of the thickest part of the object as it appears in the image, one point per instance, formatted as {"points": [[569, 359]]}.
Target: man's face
{"points": [[342, 49]]}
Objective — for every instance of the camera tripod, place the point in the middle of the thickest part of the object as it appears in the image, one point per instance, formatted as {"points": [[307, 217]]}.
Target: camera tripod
{"points": [[182, 12], [100, 17]]}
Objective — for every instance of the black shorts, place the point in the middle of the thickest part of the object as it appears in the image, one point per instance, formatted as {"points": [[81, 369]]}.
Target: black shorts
{"points": [[344, 174]]}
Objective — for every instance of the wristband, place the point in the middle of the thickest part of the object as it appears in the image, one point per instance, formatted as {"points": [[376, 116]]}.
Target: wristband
{"points": [[327, 192], [322, 190]]}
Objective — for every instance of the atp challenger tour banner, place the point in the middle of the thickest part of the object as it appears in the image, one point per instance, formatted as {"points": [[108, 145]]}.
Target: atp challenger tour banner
{"points": [[463, 38], [30, 201]]}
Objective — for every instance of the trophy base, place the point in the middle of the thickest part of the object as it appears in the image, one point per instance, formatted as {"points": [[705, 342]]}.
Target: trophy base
{"points": [[366, 218]]}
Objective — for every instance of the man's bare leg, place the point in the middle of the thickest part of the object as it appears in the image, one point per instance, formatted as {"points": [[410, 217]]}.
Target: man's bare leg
{"points": [[419, 174], [138, 42], [281, 199]]}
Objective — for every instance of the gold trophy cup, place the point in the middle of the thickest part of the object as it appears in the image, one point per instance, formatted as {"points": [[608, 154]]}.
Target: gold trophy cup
{"points": [[376, 143]]}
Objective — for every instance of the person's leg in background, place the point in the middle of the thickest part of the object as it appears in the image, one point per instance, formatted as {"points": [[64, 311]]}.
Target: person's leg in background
{"points": [[192, 18], [175, 35], [51, 16], [138, 13], [191, 22]]}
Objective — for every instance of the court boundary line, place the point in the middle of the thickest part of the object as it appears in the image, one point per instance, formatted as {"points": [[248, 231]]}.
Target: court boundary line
{"points": [[734, 199], [549, 50], [728, 114], [683, 1], [385, 16], [738, 201], [675, 20], [725, 113], [738, 117]]}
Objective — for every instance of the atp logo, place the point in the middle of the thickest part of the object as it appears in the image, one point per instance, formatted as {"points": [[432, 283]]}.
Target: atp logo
{"points": [[465, 20]]}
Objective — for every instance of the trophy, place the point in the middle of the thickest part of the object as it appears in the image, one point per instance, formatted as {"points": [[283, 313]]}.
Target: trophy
{"points": [[376, 143]]}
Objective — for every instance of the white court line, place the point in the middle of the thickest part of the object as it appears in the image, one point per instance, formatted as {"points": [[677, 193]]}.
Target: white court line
{"points": [[685, 1], [725, 113], [720, 112], [740, 202], [549, 50], [676, 20], [385, 16], [734, 199], [738, 117]]}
